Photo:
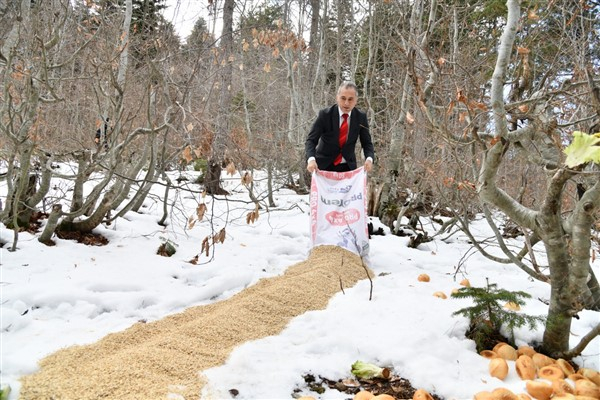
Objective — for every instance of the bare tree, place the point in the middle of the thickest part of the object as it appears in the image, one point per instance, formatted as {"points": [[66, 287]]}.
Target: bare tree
{"points": [[566, 240], [27, 85], [222, 134], [457, 125], [39, 131]]}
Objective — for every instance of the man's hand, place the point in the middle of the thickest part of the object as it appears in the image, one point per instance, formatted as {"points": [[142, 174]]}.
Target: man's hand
{"points": [[368, 165], [311, 166]]}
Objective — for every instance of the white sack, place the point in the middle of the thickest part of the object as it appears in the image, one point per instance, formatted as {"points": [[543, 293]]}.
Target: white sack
{"points": [[338, 210]]}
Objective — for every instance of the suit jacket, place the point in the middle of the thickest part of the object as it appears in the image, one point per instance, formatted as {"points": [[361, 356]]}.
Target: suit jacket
{"points": [[322, 142]]}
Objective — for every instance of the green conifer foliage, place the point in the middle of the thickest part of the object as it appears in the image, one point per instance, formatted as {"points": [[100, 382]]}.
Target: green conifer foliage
{"points": [[488, 315]]}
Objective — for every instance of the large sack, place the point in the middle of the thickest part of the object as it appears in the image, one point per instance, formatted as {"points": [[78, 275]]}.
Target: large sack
{"points": [[338, 216]]}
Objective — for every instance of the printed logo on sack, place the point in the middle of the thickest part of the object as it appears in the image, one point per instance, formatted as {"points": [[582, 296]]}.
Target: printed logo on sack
{"points": [[343, 218], [341, 202], [345, 189]]}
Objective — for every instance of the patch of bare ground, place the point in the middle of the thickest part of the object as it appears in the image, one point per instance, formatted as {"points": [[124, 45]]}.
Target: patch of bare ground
{"points": [[396, 386], [87, 238]]}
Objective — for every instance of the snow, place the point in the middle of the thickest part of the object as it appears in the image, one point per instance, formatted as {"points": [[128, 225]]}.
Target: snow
{"points": [[68, 294]]}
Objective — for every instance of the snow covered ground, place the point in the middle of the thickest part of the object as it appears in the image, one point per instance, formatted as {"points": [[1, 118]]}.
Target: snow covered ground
{"points": [[67, 294]]}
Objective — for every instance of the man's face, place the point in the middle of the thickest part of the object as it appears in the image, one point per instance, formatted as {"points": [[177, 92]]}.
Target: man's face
{"points": [[346, 99]]}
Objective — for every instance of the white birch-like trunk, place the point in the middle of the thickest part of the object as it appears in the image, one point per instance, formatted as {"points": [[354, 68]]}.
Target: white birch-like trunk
{"points": [[124, 45]]}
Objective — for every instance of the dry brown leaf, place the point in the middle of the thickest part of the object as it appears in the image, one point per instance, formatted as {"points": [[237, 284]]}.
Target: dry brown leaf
{"points": [[460, 96], [252, 216], [450, 107], [351, 382], [476, 104], [267, 67], [205, 246], [466, 184], [246, 179], [532, 15], [189, 127], [230, 168], [219, 237], [200, 211], [187, 154]]}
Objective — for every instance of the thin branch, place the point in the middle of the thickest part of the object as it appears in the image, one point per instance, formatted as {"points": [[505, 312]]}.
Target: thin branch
{"points": [[577, 350]]}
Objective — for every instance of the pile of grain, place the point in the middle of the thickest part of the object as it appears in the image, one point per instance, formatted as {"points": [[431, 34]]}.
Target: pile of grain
{"points": [[150, 360]]}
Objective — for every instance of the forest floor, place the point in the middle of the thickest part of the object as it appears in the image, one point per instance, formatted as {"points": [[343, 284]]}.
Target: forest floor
{"points": [[165, 357]]}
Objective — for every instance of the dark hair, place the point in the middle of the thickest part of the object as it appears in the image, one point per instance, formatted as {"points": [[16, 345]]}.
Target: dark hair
{"points": [[348, 85]]}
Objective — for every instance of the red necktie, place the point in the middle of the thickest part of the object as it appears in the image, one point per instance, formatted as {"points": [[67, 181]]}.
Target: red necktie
{"points": [[343, 138]]}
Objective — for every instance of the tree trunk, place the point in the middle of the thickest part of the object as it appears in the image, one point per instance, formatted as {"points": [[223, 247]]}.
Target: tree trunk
{"points": [[219, 146], [83, 174], [212, 178], [138, 201], [270, 169], [21, 215], [567, 243], [163, 220], [558, 321], [314, 42], [97, 216], [51, 224], [581, 274]]}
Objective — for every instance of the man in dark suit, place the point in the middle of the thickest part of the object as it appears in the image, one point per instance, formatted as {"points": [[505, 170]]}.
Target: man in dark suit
{"points": [[331, 141]]}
